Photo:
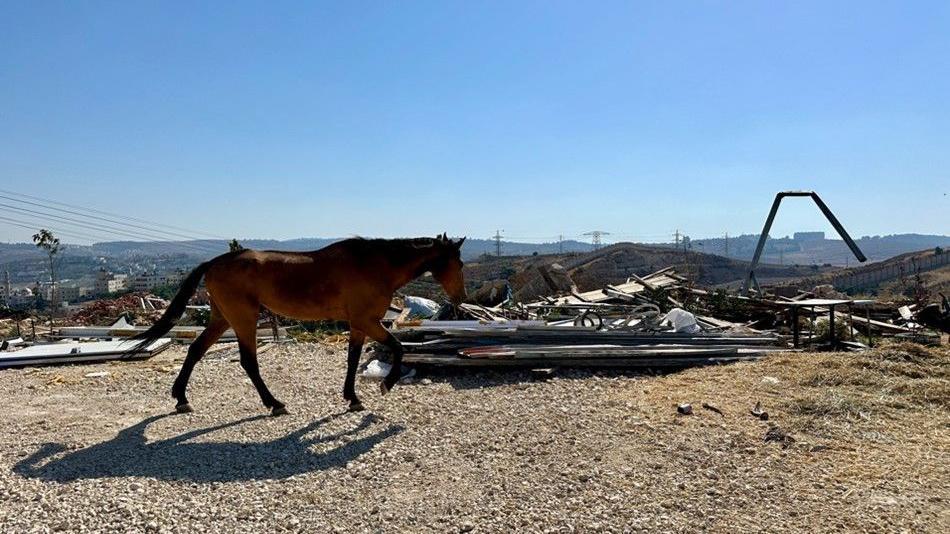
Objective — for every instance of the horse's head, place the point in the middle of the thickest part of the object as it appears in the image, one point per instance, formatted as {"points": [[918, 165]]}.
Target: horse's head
{"points": [[446, 267]]}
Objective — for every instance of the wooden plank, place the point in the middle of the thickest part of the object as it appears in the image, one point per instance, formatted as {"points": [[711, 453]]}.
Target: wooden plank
{"points": [[880, 325], [644, 283]]}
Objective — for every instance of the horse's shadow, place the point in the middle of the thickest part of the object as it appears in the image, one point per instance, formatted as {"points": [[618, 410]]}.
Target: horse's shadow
{"points": [[128, 454]]}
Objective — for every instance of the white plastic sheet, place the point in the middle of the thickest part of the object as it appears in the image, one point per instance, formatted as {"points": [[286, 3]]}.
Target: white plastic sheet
{"points": [[681, 321], [378, 369], [421, 308]]}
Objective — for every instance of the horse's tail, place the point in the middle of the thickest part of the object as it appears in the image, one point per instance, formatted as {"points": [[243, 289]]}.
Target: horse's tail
{"points": [[174, 311]]}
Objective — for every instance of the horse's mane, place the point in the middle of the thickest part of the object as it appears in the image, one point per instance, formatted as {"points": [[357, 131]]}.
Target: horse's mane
{"points": [[401, 249]]}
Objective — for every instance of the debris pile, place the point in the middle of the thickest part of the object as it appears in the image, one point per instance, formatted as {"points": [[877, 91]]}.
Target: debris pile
{"points": [[138, 308], [641, 323], [655, 321]]}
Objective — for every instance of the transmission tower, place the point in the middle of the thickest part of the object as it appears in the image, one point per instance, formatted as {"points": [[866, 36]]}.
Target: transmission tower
{"points": [[595, 236], [497, 237]]}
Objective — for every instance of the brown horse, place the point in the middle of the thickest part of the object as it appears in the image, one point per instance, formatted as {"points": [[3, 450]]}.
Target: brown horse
{"points": [[352, 280]]}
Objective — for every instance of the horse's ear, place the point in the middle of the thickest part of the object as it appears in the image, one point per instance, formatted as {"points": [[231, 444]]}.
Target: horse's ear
{"points": [[445, 237], [458, 244]]}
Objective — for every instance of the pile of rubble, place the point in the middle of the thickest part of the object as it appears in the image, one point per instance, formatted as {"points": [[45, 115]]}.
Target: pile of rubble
{"points": [[660, 320], [642, 323], [138, 308]]}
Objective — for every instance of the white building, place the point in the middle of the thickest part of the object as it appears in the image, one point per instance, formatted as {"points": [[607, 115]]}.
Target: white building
{"points": [[59, 293], [107, 282], [19, 298], [149, 281]]}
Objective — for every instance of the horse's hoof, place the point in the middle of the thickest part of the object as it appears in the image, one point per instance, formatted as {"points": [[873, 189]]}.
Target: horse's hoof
{"points": [[383, 388], [356, 407], [279, 410], [184, 408]]}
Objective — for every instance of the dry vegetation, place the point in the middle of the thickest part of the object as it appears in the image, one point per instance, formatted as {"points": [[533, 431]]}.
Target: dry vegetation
{"points": [[931, 284], [862, 443]]}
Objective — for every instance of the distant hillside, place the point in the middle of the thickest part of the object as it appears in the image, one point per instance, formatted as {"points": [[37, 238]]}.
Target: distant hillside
{"points": [[25, 262], [805, 251], [610, 265], [204, 249], [786, 250]]}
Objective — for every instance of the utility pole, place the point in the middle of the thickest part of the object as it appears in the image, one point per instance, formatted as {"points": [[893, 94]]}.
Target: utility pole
{"points": [[727, 244], [560, 244], [497, 239]]}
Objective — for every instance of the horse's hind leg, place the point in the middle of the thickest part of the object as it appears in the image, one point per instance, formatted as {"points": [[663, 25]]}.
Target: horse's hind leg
{"points": [[352, 360], [216, 326], [245, 327]]}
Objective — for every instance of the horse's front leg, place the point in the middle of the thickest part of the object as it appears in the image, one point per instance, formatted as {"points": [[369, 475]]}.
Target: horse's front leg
{"points": [[352, 360]]}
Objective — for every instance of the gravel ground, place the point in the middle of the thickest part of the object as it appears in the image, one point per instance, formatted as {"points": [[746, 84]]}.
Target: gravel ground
{"points": [[484, 452]]}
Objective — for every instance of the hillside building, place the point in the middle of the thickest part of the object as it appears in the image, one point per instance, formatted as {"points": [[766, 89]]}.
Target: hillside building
{"points": [[149, 281], [58, 292], [809, 236], [107, 282]]}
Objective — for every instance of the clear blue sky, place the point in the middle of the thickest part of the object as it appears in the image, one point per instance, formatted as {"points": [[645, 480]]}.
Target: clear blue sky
{"points": [[285, 119]]}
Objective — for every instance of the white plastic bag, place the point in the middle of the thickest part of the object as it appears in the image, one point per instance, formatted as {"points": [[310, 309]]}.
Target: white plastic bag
{"points": [[376, 369], [681, 321]]}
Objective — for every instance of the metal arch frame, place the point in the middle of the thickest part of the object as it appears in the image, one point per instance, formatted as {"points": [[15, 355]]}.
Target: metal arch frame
{"points": [[751, 280]]}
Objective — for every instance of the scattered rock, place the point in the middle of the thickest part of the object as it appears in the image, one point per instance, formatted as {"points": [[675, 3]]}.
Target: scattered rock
{"points": [[97, 374], [777, 435]]}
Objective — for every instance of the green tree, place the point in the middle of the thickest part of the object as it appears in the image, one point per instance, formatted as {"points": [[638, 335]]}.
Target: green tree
{"points": [[234, 246], [46, 241]]}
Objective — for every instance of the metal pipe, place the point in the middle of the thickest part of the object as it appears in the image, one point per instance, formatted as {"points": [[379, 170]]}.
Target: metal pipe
{"points": [[750, 280]]}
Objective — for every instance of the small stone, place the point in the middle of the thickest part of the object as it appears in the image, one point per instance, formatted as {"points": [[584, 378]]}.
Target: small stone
{"points": [[97, 374]]}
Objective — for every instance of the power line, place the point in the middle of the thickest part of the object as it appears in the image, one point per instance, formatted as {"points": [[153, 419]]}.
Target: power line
{"points": [[112, 230], [20, 223], [87, 215], [94, 226], [108, 229], [113, 215]]}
